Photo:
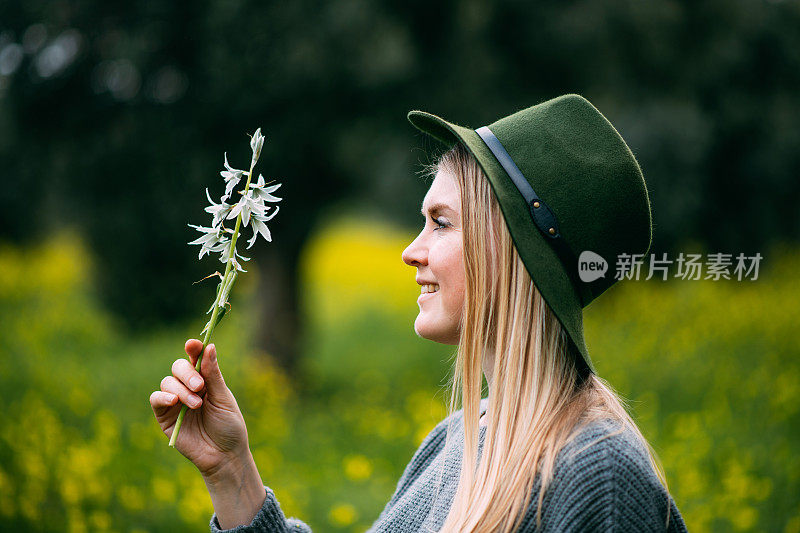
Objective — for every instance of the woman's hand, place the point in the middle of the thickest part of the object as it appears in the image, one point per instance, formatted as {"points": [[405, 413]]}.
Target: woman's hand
{"points": [[213, 430]]}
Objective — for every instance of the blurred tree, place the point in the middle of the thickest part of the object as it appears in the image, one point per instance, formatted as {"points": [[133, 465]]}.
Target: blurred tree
{"points": [[114, 117]]}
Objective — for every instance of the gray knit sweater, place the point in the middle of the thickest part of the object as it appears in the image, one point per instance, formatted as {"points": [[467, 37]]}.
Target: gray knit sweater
{"points": [[610, 486]]}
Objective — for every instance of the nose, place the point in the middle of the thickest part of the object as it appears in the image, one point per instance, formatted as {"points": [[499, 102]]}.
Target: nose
{"points": [[415, 254]]}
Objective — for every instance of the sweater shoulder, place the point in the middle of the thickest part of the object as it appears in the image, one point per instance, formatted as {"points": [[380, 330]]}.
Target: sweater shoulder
{"points": [[603, 479], [596, 442], [604, 450]]}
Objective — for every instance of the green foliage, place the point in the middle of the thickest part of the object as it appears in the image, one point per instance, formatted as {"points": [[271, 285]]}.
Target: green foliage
{"points": [[710, 368]]}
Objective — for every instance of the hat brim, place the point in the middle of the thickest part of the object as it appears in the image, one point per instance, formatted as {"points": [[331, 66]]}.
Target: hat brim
{"points": [[541, 261]]}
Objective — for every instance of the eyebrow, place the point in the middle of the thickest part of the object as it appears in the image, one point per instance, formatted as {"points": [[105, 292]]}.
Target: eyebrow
{"points": [[435, 208]]}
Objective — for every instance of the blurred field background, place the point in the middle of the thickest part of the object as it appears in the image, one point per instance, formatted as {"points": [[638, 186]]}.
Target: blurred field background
{"points": [[711, 369], [114, 118]]}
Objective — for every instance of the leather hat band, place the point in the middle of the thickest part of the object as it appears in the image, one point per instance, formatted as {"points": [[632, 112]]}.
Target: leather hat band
{"points": [[542, 215]]}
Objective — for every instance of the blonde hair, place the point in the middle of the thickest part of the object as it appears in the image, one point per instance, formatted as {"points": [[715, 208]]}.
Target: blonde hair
{"points": [[541, 393]]}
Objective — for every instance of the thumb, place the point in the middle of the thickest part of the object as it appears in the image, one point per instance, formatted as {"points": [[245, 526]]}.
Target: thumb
{"points": [[209, 369]]}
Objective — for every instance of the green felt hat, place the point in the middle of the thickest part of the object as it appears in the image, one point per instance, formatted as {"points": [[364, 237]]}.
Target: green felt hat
{"points": [[569, 188]]}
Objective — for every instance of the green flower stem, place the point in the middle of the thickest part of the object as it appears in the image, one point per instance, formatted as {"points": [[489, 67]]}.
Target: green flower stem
{"points": [[215, 314]]}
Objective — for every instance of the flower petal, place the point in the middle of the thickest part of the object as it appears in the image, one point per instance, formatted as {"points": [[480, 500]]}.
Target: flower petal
{"points": [[253, 238], [269, 217], [246, 213], [235, 211], [262, 229], [263, 195], [233, 182]]}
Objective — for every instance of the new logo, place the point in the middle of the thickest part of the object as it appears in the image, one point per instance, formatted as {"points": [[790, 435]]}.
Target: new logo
{"points": [[591, 266]]}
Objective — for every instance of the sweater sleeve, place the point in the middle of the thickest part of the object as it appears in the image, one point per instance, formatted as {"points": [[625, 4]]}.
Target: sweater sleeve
{"points": [[269, 518]]}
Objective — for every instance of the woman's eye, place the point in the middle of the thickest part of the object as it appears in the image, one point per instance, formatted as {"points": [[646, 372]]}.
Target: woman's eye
{"points": [[440, 222]]}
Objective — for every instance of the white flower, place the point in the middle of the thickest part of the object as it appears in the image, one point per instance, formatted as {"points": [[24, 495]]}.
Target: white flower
{"points": [[264, 193], [237, 265], [225, 256], [247, 205], [258, 226], [211, 241], [219, 211], [251, 208], [256, 142], [232, 177]]}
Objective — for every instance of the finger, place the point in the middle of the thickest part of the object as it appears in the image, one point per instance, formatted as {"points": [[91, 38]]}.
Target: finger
{"points": [[172, 385], [184, 371], [209, 368], [193, 348], [162, 401]]}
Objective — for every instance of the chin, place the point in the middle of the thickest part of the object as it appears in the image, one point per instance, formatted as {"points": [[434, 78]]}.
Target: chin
{"points": [[442, 335]]}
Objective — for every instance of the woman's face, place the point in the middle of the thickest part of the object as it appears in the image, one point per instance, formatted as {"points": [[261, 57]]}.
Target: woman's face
{"points": [[437, 254]]}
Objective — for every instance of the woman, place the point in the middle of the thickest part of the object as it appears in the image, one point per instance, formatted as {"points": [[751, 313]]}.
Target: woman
{"points": [[513, 208]]}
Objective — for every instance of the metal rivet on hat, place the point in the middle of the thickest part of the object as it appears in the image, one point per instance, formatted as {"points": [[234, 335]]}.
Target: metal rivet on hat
{"points": [[535, 204], [552, 231]]}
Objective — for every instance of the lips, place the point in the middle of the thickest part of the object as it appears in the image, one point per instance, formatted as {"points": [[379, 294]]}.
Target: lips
{"points": [[426, 295]]}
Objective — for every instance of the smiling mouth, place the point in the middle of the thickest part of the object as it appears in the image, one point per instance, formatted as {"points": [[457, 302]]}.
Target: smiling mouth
{"points": [[429, 288], [425, 296]]}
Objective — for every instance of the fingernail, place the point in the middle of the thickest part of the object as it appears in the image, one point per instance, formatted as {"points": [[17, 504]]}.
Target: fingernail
{"points": [[213, 351], [194, 401], [195, 382]]}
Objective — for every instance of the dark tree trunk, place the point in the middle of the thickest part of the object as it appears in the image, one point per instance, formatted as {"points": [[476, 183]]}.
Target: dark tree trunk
{"points": [[278, 303]]}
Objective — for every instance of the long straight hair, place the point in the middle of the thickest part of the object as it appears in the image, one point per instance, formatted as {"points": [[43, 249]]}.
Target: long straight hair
{"points": [[541, 393]]}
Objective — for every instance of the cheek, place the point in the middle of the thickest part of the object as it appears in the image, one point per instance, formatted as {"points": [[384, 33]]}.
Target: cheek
{"points": [[449, 270]]}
